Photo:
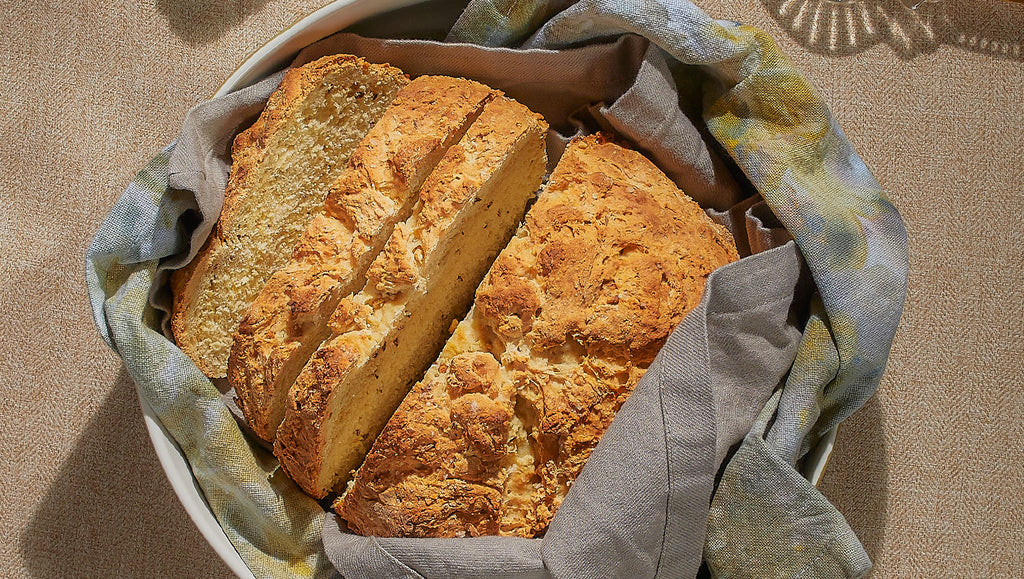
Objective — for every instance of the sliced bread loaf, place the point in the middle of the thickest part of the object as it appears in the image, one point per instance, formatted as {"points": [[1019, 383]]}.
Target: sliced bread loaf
{"points": [[281, 170], [288, 320], [611, 257], [386, 335]]}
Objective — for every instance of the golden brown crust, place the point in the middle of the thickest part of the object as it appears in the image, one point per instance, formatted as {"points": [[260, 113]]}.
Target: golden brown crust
{"points": [[357, 199], [446, 431], [610, 259], [617, 271], [289, 318], [248, 151], [306, 294], [360, 322]]}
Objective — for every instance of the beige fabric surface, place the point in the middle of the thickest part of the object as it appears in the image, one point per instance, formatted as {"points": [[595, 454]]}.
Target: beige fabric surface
{"points": [[928, 473]]}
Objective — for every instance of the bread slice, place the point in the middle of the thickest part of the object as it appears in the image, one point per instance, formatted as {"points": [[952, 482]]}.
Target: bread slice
{"points": [[281, 169], [610, 259], [385, 336], [288, 320]]}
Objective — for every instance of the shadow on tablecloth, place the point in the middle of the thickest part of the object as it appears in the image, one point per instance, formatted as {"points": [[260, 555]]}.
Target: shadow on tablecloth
{"points": [[111, 511], [909, 27], [203, 21]]}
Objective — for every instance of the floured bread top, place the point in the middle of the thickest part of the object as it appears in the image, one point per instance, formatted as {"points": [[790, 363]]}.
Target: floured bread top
{"points": [[572, 312]]}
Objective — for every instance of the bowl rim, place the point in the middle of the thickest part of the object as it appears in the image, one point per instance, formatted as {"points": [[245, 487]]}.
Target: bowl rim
{"points": [[272, 56]]}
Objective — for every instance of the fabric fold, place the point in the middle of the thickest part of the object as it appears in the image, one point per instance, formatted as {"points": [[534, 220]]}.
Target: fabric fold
{"points": [[759, 490]]}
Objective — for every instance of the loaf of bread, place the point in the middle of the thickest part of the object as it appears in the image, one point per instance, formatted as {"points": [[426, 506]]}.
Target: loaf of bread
{"points": [[378, 189], [281, 170], [385, 336], [572, 312]]}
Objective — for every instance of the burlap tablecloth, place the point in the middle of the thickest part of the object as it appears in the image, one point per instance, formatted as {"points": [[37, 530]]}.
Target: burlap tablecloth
{"points": [[928, 473]]}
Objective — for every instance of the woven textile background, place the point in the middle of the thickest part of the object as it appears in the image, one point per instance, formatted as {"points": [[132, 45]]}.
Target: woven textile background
{"points": [[92, 90]]}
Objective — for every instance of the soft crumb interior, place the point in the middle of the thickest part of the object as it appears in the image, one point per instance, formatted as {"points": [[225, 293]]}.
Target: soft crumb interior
{"points": [[418, 329], [301, 162]]}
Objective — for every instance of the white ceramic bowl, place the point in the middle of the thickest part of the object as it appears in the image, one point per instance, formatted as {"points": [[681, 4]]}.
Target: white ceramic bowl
{"points": [[272, 57]]}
